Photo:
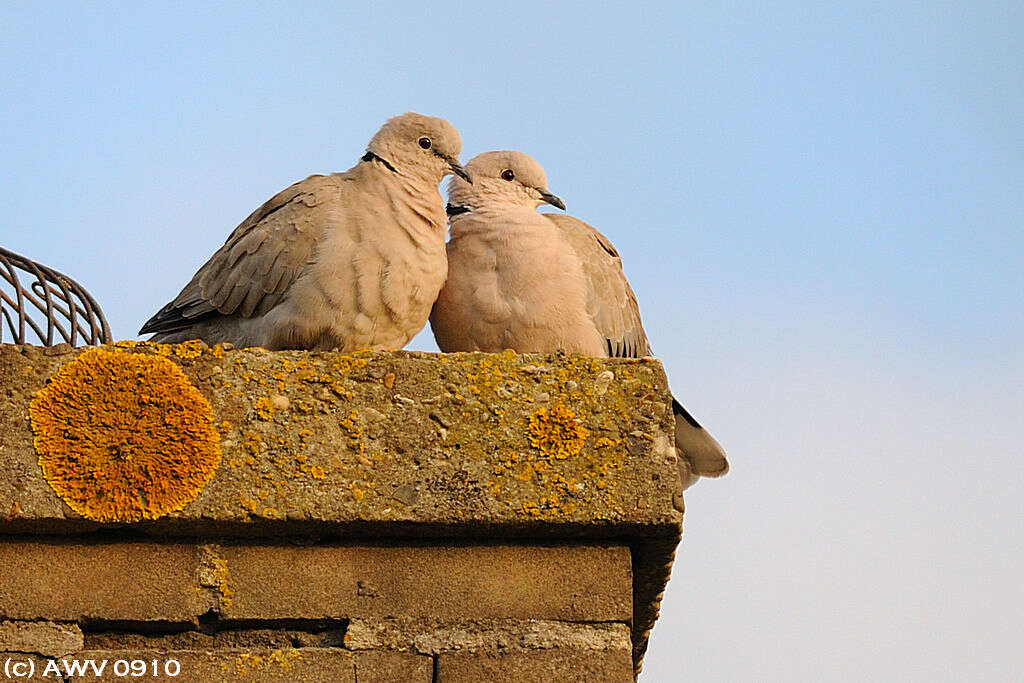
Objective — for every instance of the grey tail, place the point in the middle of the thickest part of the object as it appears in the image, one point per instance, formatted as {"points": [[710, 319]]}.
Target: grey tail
{"points": [[703, 455]]}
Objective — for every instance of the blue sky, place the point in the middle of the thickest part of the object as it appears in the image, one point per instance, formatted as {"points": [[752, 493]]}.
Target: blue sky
{"points": [[820, 208]]}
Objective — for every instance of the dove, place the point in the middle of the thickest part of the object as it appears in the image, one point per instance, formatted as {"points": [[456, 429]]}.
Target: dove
{"points": [[539, 283], [344, 261]]}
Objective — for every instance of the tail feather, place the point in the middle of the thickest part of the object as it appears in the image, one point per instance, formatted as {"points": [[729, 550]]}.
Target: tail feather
{"points": [[700, 455]]}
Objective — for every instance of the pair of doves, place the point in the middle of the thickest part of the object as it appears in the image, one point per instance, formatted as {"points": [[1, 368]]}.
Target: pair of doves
{"points": [[358, 260]]}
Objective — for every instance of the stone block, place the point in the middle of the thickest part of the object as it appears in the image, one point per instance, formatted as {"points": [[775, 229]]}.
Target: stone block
{"points": [[390, 667], [487, 636], [68, 581], [571, 583], [41, 637], [530, 666], [458, 451], [284, 665]]}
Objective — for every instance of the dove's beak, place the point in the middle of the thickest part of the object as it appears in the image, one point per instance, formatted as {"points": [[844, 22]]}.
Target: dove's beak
{"points": [[457, 169], [552, 199]]}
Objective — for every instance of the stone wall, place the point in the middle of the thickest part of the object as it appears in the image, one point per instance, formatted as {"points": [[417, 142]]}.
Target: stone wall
{"points": [[290, 516]]}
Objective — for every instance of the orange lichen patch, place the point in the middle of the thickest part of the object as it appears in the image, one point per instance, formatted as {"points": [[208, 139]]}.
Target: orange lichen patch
{"points": [[123, 437], [556, 432]]}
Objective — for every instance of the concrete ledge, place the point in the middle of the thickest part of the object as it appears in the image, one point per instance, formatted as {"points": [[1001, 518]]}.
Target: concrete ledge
{"points": [[381, 441], [440, 461]]}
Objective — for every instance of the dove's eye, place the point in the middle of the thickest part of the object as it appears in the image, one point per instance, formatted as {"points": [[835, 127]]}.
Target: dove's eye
{"points": [[425, 143], [507, 174]]}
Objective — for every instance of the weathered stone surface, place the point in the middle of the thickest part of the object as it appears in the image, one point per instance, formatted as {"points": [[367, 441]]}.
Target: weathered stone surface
{"points": [[41, 637], [378, 447], [523, 441], [70, 581], [533, 635], [489, 636], [282, 665], [525, 666], [389, 667], [256, 665], [587, 583], [179, 582]]}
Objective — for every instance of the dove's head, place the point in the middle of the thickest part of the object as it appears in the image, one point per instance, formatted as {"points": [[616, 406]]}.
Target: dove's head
{"points": [[500, 180], [417, 145]]}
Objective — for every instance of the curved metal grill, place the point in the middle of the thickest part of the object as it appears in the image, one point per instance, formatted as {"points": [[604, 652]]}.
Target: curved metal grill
{"points": [[53, 306]]}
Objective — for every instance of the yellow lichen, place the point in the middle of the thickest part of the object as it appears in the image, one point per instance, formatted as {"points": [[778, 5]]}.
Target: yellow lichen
{"points": [[355, 432], [264, 408], [556, 432], [248, 661], [573, 448], [530, 508], [249, 504], [124, 436], [189, 349], [186, 349], [253, 444], [220, 580], [235, 463]]}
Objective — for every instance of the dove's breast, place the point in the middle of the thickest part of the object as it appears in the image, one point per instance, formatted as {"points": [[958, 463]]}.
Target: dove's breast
{"points": [[375, 273], [510, 287]]}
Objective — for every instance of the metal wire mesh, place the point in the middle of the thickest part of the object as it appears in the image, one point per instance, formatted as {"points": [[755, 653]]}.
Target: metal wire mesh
{"points": [[40, 300]]}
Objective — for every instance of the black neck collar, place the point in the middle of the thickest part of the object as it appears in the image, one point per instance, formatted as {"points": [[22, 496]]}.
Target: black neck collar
{"points": [[370, 156], [453, 210]]}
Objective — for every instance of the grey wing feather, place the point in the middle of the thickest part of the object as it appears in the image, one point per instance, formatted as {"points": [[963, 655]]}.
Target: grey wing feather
{"points": [[260, 260], [611, 302], [613, 308]]}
